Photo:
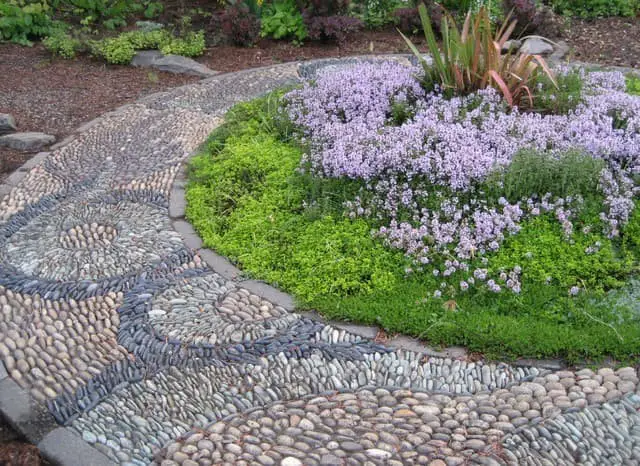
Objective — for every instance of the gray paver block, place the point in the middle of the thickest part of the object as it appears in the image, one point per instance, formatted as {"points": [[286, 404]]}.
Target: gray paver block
{"points": [[270, 293], [189, 235], [24, 413], [177, 201], [220, 264], [64, 447], [34, 161], [15, 178]]}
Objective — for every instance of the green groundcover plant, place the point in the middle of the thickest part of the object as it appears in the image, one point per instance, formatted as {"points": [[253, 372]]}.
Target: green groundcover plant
{"points": [[566, 283]]}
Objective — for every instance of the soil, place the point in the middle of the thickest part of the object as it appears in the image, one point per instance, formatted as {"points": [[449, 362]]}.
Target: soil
{"points": [[269, 52], [609, 41], [55, 96]]}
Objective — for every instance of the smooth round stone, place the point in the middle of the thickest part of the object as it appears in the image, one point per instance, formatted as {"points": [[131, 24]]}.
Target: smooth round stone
{"points": [[291, 461]]}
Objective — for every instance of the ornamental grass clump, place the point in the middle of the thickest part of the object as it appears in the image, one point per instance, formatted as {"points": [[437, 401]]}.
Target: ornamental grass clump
{"points": [[471, 59]]}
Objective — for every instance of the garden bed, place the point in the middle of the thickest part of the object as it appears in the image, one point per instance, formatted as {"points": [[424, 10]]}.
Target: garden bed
{"points": [[514, 233]]}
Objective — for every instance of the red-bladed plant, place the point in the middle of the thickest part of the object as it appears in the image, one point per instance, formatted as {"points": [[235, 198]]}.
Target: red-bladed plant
{"points": [[471, 58]]}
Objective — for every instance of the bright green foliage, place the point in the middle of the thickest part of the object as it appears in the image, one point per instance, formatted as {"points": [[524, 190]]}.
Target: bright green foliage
{"points": [[633, 84], [573, 173], [248, 201], [22, 20], [596, 8], [147, 40], [282, 19], [192, 44], [62, 44], [559, 98], [114, 50], [120, 50]]}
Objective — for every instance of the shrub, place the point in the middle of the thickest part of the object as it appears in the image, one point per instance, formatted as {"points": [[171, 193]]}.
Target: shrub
{"points": [[376, 13], [22, 20], [239, 24], [573, 173], [62, 44], [333, 28], [147, 40], [114, 50], [192, 44], [472, 59], [282, 19], [408, 19], [324, 7], [525, 12], [559, 97], [110, 13], [633, 84], [596, 8]]}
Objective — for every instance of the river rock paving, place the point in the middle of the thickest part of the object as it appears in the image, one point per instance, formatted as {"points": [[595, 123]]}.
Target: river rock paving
{"points": [[132, 341]]}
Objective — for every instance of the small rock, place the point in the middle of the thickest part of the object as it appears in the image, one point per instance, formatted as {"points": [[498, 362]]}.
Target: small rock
{"points": [[535, 46], [171, 63], [7, 123], [27, 142]]}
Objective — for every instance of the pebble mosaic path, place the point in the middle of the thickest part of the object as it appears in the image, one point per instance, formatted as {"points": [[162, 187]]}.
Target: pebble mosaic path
{"points": [[134, 343]]}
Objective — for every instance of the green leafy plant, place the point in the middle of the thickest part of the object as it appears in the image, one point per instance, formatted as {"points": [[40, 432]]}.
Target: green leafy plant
{"points": [[570, 174], [62, 44], [596, 8], [559, 97], [471, 59], [23, 20], [281, 20], [633, 84], [192, 44], [111, 14], [377, 13], [114, 50]]}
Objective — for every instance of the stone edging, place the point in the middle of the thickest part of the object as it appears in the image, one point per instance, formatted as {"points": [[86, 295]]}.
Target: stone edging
{"points": [[61, 445]]}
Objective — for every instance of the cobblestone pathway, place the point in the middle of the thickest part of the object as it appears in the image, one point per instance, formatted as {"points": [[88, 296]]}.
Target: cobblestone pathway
{"points": [[132, 341]]}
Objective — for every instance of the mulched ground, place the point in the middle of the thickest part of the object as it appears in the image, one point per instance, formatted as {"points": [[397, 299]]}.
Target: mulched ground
{"points": [[55, 96], [610, 41]]}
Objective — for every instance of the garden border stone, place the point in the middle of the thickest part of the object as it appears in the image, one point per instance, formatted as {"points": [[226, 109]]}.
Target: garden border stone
{"points": [[62, 446]]}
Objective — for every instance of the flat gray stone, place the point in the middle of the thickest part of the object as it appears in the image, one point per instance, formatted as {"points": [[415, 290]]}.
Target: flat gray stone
{"points": [[34, 161], [189, 235], [536, 46], [171, 63], [3, 371], [23, 413], [277, 297], [177, 201], [7, 123], [27, 142], [220, 264], [62, 446]]}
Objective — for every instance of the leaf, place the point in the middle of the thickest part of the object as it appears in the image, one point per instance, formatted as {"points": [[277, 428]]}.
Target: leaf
{"points": [[503, 87]]}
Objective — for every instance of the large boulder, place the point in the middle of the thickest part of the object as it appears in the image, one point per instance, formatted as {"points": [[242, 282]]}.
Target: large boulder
{"points": [[7, 123], [27, 142], [536, 46], [171, 63]]}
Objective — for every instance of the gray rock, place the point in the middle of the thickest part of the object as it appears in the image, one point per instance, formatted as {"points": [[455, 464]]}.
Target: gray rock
{"points": [[170, 63], [536, 46], [511, 45], [26, 142], [7, 123], [149, 25]]}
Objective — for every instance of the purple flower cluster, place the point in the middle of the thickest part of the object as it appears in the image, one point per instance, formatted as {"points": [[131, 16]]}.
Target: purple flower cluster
{"points": [[453, 145]]}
